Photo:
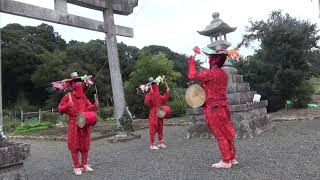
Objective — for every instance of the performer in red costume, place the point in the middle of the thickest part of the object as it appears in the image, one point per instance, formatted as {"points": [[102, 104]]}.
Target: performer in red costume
{"points": [[154, 100], [78, 138], [216, 110]]}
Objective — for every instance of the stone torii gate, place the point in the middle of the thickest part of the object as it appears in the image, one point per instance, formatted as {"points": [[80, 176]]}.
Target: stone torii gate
{"points": [[60, 15]]}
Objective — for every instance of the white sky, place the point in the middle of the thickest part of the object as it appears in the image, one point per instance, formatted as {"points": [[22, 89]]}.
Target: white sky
{"points": [[173, 23]]}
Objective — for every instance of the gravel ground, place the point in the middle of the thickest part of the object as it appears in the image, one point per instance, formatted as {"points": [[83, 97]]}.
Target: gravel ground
{"points": [[290, 150]]}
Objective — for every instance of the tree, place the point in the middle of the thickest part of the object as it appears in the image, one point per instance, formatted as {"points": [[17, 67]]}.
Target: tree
{"points": [[314, 63], [180, 61], [21, 47], [128, 55], [148, 65], [286, 44]]}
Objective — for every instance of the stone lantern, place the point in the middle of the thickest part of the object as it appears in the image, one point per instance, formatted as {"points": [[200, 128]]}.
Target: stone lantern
{"points": [[217, 30]]}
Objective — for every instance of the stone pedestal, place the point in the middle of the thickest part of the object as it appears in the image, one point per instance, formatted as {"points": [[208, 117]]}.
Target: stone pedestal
{"points": [[123, 137], [249, 118], [11, 160]]}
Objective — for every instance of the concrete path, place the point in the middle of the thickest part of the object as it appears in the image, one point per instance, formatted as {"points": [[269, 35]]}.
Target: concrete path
{"points": [[291, 150]]}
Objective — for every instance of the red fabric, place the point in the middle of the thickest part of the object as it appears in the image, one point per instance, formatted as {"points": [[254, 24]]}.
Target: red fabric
{"points": [[215, 59], [168, 111], [75, 158], [84, 157], [154, 100], [216, 110], [91, 118], [77, 88], [78, 138]]}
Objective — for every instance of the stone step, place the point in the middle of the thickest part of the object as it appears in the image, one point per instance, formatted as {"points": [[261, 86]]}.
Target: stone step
{"points": [[13, 153], [252, 127], [240, 97], [248, 115], [237, 78], [238, 87], [194, 111], [233, 108], [248, 106]]}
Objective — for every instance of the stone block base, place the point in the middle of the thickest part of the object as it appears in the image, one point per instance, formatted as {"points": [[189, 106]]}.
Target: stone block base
{"points": [[248, 120], [14, 172], [11, 160], [123, 138]]}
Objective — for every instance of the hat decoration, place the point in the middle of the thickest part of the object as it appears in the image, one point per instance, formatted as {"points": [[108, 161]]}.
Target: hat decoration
{"points": [[64, 84], [232, 54], [143, 88]]}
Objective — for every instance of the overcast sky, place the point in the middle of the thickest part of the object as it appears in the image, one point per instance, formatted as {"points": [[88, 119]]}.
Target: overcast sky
{"points": [[174, 23]]}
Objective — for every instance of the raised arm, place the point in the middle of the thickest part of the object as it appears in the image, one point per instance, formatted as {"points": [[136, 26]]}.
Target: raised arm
{"points": [[204, 75], [65, 104], [90, 106], [165, 97], [148, 99]]}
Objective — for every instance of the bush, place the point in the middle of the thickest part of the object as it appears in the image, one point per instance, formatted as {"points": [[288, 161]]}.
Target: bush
{"points": [[178, 109], [315, 82], [106, 112], [156, 65], [9, 121], [50, 117], [177, 104], [10, 124], [304, 96]]}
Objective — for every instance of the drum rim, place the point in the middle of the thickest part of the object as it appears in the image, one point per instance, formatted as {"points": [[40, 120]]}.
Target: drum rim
{"points": [[189, 101], [81, 114], [158, 111]]}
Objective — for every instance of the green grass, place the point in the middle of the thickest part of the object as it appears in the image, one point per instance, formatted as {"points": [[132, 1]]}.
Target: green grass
{"points": [[29, 128]]}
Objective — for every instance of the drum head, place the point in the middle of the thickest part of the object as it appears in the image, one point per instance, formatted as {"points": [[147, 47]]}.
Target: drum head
{"points": [[81, 120], [195, 96], [161, 112]]}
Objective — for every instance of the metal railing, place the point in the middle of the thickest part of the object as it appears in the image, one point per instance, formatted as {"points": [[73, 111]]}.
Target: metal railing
{"points": [[25, 116]]}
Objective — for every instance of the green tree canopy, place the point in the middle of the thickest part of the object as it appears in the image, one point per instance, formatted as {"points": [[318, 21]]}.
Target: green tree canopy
{"points": [[148, 65], [279, 69]]}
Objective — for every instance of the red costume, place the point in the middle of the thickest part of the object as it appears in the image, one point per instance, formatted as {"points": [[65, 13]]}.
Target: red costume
{"points": [[154, 100], [78, 138], [216, 110]]}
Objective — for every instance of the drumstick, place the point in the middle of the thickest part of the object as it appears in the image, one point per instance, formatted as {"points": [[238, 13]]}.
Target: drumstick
{"points": [[96, 98], [165, 81], [70, 98], [96, 95]]}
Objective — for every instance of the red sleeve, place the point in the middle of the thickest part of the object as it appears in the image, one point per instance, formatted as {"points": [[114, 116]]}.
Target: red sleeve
{"points": [[148, 99], [90, 106], [63, 105], [165, 97], [204, 75]]}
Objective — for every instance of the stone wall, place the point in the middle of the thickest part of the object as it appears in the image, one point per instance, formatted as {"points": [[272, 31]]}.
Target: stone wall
{"points": [[11, 160]]}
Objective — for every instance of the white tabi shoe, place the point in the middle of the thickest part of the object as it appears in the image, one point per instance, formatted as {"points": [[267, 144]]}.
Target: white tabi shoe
{"points": [[154, 147], [161, 145], [222, 164], [87, 168], [234, 162], [77, 171]]}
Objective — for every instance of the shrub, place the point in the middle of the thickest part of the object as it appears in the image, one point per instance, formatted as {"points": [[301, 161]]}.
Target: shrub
{"points": [[50, 117], [177, 104], [106, 112], [10, 124]]}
